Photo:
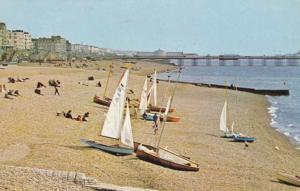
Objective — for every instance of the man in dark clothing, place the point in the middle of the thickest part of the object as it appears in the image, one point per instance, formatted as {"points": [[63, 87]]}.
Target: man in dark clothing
{"points": [[85, 116], [155, 125], [68, 115], [40, 84], [56, 90]]}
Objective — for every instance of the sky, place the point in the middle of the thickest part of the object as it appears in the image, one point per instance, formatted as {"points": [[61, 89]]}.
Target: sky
{"points": [[245, 27]]}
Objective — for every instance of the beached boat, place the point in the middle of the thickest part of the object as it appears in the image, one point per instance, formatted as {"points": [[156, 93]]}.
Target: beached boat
{"points": [[289, 179], [113, 127], [150, 117], [223, 123], [105, 102], [243, 138], [160, 109], [166, 158], [114, 149], [154, 107]]}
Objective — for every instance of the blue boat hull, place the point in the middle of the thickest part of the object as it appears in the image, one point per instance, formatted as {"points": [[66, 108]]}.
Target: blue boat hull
{"points": [[113, 149], [244, 139]]}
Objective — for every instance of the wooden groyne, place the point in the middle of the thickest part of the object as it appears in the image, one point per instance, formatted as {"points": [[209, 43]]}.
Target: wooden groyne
{"points": [[275, 92]]}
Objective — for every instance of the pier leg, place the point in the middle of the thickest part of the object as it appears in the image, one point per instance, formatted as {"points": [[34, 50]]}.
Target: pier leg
{"points": [[222, 62], [250, 62], [194, 62], [208, 62]]}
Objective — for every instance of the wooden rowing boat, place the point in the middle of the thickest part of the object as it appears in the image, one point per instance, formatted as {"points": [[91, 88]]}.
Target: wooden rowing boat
{"points": [[105, 101], [160, 109], [165, 158], [173, 118], [289, 179]]}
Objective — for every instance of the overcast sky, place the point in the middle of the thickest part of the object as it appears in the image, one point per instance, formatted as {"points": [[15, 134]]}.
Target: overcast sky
{"points": [[246, 27]]}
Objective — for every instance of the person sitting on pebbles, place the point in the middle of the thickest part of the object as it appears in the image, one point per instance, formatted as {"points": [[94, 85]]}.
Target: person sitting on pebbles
{"points": [[85, 116], [7, 96], [68, 114]]}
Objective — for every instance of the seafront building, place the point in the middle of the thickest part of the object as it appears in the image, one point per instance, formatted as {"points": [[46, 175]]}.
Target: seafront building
{"points": [[2, 35], [16, 39], [55, 45], [19, 40], [81, 50]]}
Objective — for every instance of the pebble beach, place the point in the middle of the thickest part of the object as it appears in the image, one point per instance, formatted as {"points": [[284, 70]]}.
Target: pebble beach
{"points": [[34, 136]]}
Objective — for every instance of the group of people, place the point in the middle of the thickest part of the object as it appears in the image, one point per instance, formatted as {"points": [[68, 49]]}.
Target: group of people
{"points": [[8, 93], [54, 83], [13, 80], [69, 115]]}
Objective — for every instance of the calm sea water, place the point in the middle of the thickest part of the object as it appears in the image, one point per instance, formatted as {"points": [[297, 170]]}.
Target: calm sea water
{"points": [[284, 110]]}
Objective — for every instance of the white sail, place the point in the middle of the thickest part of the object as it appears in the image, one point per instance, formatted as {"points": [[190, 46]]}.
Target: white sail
{"points": [[144, 102], [232, 126], [154, 88], [223, 118], [149, 94], [168, 106], [126, 133], [113, 121]]}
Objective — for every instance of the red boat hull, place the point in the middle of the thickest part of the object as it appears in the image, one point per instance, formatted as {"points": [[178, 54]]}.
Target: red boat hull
{"points": [[154, 158], [101, 101], [160, 109]]}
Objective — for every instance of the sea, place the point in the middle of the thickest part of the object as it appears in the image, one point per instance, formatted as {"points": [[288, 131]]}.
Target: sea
{"points": [[284, 110]]}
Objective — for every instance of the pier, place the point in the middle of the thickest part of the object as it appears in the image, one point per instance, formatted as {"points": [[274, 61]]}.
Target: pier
{"points": [[223, 60]]}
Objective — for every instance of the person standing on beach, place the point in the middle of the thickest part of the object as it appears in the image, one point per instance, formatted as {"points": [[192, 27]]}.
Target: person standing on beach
{"points": [[56, 86], [155, 121]]}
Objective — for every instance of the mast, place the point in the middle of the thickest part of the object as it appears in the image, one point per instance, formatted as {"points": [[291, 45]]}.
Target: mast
{"points": [[165, 117], [109, 74]]}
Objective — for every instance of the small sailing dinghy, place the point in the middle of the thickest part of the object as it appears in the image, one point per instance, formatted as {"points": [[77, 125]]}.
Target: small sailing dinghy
{"points": [[105, 100], [289, 179], [165, 157], [243, 138], [154, 107], [113, 127], [223, 124], [143, 107]]}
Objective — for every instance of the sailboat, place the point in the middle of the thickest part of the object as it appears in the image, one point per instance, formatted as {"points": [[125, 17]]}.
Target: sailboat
{"points": [[237, 137], [145, 101], [154, 89], [223, 123], [105, 100], [289, 179], [163, 156], [113, 127]]}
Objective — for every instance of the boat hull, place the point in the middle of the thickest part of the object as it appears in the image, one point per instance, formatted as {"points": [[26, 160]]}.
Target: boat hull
{"points": [[101, 101], [154, 158], [149, 117], [289, 179], [243, 139], [113, 149], [160, 109]]}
